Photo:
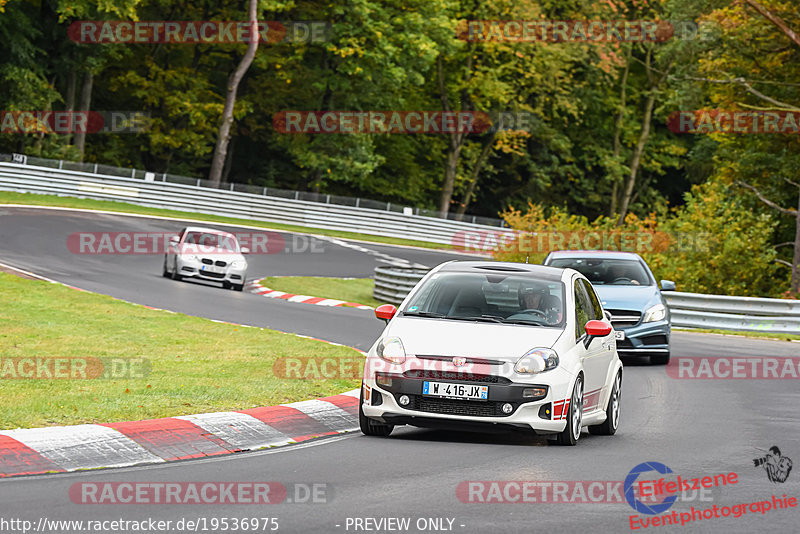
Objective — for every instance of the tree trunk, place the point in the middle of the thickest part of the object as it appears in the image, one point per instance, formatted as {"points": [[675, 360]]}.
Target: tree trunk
{"points": [[223, 137], [456, 143], [473, 179], [83, 107], [637, 157], [796, 261], [623, 99], [69, 100]]}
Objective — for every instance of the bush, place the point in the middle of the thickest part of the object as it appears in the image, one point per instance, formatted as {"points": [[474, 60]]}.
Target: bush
{"points": [[710, 245]]}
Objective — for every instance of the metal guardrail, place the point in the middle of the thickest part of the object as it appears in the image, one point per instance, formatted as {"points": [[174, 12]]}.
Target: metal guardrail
{"points": [[184, 197], [310, 196], [689, 310]]}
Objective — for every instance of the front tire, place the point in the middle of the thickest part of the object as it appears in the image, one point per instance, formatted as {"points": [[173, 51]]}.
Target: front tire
{"points": [[368, 426], [164, 271], [572, 433], [175, 275], [609, 427]]}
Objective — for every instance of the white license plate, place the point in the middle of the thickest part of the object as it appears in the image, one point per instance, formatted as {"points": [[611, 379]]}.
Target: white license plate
{"points": [[455, 391], [619, 334], [212, 269]]}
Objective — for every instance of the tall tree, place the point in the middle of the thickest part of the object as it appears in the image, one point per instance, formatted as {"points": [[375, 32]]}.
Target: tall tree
{"points": [[223, 137]]}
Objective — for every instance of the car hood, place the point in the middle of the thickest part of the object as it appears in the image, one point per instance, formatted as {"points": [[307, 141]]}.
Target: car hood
{"points": [[628, 297], [446, 337]]}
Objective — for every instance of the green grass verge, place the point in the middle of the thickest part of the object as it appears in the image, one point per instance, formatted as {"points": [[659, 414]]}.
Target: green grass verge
{"points": [[784, 337], [357, 290], [196, 365], [124, 207]]}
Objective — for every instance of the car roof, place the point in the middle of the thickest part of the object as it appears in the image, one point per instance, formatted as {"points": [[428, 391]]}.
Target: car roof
{"points": [[599, 254], [484, 267], [205, 230]]}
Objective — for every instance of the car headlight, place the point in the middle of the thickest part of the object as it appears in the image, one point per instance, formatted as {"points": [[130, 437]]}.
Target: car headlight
{"points": [[238, 264], [190, 257], [656, 313], [391, 349], [536, 361]]}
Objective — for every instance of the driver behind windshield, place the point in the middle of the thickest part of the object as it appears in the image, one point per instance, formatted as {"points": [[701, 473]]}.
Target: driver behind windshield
{"points": [[537, 298]]}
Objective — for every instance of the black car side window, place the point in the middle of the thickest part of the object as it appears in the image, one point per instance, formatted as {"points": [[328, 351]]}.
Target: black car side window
{"points": [[583, 309], [593, 300]]}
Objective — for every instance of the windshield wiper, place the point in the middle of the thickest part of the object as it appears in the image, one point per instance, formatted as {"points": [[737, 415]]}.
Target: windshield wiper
{"points": [[531, 322], [424, 314], [482, 318]]}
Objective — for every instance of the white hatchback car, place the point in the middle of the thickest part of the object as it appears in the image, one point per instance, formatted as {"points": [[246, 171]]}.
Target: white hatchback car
{"points": [[482, 345], [206, 254]]}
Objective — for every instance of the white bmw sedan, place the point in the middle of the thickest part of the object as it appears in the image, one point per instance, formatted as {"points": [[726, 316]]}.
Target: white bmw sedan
{"points": [[206, 254], [482, 345]]}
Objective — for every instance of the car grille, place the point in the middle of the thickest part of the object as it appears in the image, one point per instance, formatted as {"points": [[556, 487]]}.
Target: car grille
{"points": [[212, 275], [444, 375], [456, 407], [218, 263], [475, 361], [623, 318]]}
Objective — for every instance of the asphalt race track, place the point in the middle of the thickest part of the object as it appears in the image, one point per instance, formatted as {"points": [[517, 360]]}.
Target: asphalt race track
{"points": [[696, 427]]}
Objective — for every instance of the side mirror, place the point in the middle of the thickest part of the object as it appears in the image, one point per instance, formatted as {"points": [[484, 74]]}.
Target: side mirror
{"points": [[245, 250], [667, 285], [597, 329], [385, 312], [608, 315], [174, 240]]}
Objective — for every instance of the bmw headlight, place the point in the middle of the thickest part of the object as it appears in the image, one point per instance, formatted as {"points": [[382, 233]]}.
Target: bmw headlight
{"points": [[656, 313], [391, 349], [536, 361], [191, 257], [238, 264]]}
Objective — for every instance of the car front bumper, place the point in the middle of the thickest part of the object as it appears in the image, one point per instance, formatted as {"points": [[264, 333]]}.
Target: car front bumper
{"points": [[543, 415], [193, 269], [645, 338]]}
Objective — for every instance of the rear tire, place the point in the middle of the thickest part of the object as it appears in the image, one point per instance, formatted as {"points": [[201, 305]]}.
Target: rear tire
{"points": [[659, 359], [368, 426], [572, 433], [609, 427]]}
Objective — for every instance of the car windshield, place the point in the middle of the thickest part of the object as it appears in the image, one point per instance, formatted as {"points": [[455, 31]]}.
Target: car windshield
{"points": [[607, 272], [209, 241], [491, 297]]}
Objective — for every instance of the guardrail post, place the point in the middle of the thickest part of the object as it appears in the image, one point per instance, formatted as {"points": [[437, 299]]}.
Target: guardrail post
{"points": [[297, 195], [328, 199], [95, 168], [358, 201], [133, 173], [164, 177], [198, 182], [60, 164]]}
